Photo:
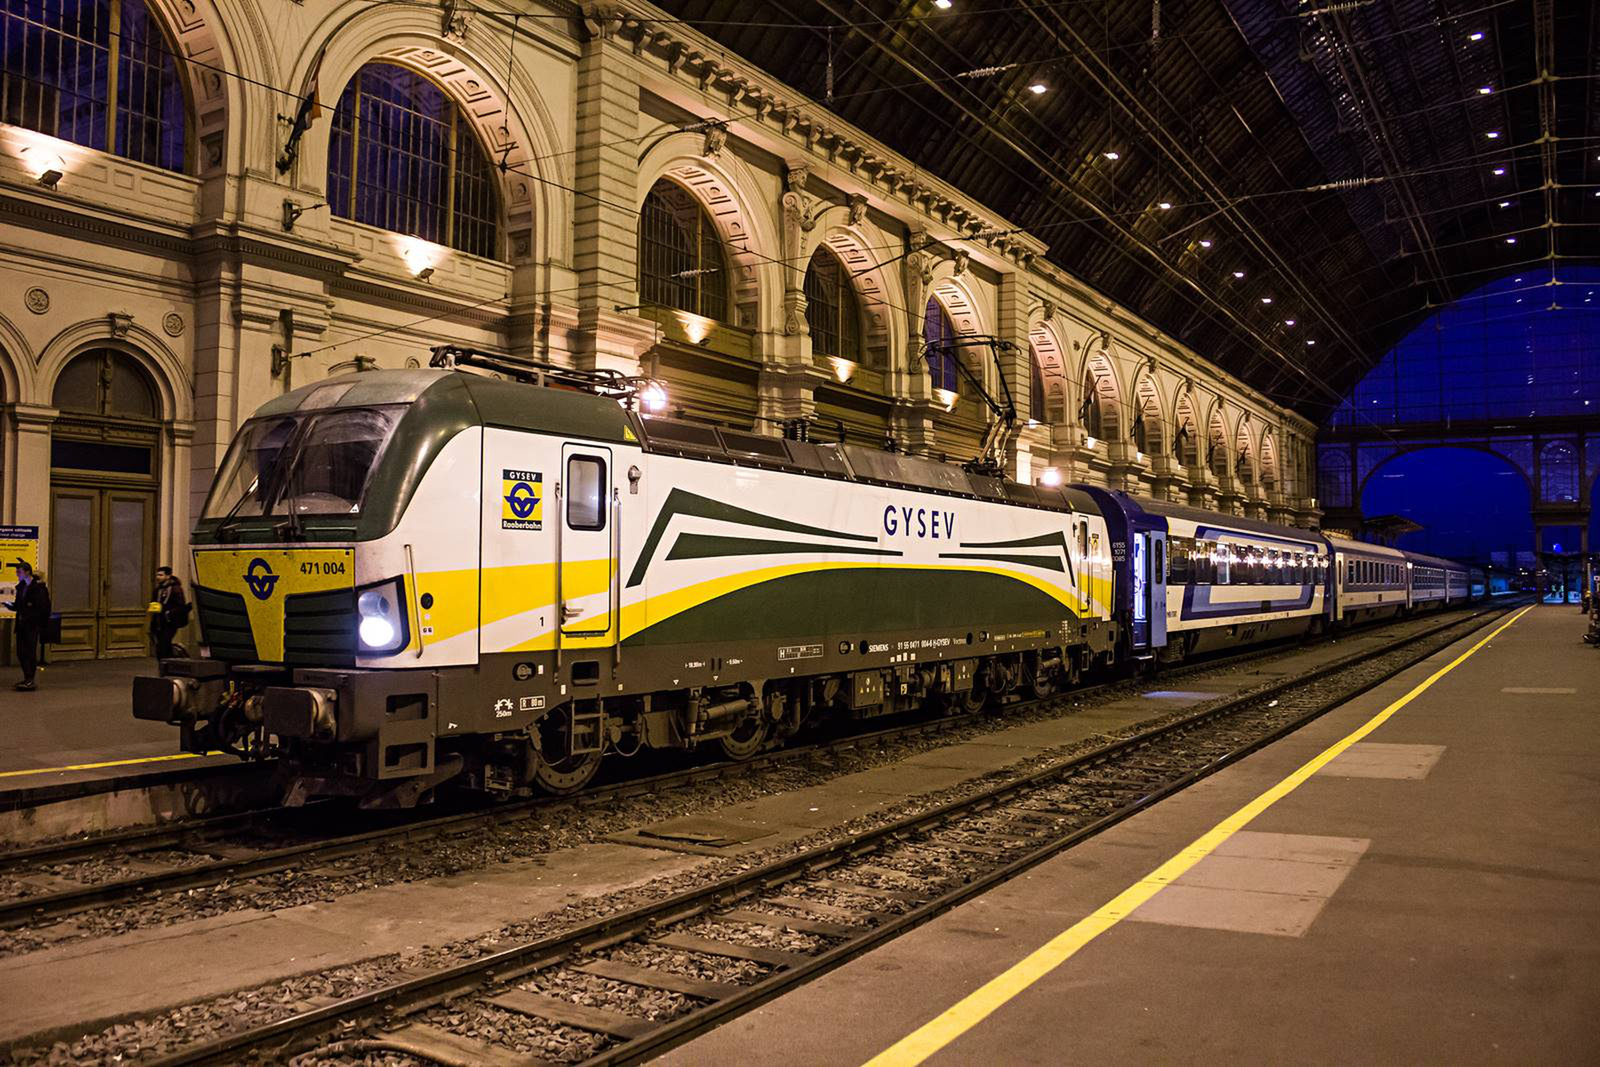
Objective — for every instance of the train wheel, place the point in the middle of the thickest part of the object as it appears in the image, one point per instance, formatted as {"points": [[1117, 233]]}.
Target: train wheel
{"points": [[567, 775], [744, 742], [975, 699]]}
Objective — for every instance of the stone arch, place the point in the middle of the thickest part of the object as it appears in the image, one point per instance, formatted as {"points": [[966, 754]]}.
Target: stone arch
{"points": [[1268, 472], [1370, 462], [1219, 452], [727, 192], [1047, 349], [1185, 429], [174, 390], [206, 58], [966, 316], [1099, 383], [872, 290], [1335, 487], [513, 126], [16, 366], [1245, 464], [1148, 422]]}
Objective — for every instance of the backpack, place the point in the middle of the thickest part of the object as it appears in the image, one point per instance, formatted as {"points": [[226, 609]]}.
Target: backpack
{"points": [[181, 615]]}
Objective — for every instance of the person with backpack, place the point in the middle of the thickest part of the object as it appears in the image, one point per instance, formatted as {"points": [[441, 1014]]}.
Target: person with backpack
{"points": [[32, 605], [169, 611]]}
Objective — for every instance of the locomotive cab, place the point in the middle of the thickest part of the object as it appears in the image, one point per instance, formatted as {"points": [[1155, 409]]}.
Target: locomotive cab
{"points": [[337, 568]]}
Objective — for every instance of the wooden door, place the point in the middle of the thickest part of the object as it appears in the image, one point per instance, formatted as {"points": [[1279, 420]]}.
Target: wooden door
{"points": [[101, 570]]}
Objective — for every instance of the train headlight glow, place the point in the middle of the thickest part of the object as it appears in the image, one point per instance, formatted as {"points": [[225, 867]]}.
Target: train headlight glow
{"points": [[382, 625]]}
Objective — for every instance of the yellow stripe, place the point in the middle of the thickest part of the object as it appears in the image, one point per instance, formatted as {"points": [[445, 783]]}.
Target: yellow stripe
{"points": [[979, 1005], [107, 763]]}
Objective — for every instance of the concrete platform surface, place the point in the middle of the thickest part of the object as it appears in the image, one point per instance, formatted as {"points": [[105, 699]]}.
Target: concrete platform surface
{"points": [[1428, 896], [247, 948]]}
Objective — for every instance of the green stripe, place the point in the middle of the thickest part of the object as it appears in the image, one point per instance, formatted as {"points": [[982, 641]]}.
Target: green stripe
{"points": [[712, 546], [1050, 563], [682, 502], [860, 603]]}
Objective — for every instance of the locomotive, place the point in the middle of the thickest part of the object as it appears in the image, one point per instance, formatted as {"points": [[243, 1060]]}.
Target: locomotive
{"points": [[411, 577]]}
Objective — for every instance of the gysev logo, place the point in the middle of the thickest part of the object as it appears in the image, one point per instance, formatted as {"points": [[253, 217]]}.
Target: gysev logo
{"points": [[521, 500], [259, 577]]}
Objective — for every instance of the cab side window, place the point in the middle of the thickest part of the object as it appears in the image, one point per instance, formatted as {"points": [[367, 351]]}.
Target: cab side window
{"points": [[586, 498]]}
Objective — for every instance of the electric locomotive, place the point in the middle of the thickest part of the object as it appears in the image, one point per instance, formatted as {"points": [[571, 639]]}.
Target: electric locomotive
{"points": [[412, 577]]}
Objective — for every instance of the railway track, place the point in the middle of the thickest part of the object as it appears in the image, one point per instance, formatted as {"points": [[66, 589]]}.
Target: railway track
{"points": [[46, 883], [636, 983]]}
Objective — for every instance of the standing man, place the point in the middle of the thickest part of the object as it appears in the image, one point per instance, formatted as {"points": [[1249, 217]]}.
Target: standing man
{"points": [[32, 605], [172, 611]]}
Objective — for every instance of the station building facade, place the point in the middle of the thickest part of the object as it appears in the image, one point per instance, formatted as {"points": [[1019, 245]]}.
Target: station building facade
{"points": [[205, 203]]}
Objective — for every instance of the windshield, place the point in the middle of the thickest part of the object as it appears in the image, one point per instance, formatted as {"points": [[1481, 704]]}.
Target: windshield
{"points": [[243, 484], [332, 455]]}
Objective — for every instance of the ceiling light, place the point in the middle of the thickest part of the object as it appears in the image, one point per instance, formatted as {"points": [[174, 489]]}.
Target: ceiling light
{"points": [[1499, 172], [1205, 242], [942, 5], [1165, 205], [1038, 88], [1288, 322], [1492, 134], [1511, 240], [1111, 155], [1238, 274], [1485, 90], [1475, 36], [1266, 300], [1311, 342], [1505, 203]]}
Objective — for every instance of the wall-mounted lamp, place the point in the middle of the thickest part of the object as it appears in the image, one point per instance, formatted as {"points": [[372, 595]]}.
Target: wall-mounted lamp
{"points": [[1050, 476], [49, 178], [292, 212], [424, 274]]}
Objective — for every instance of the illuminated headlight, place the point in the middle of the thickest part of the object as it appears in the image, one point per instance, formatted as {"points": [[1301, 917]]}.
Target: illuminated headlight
{"points": [[380, 611]]}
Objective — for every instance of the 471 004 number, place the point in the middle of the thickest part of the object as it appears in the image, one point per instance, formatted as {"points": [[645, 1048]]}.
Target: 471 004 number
{"points": [[332, 566]]}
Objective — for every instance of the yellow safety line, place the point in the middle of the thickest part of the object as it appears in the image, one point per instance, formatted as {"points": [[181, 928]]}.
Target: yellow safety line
{"points": [[973, 1009], [107, 763]]}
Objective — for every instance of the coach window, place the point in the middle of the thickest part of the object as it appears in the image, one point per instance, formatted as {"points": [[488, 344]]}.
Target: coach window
{"points": [[100, 73], [1083, 540], [586, 501], [402, 157], [1179, 557]]}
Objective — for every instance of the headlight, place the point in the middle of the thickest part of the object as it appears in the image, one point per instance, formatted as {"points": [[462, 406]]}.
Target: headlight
{"points": [[381, 617]]}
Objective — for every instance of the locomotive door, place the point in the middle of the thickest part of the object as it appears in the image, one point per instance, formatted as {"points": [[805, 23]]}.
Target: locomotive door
{"points": [[587, 547]]}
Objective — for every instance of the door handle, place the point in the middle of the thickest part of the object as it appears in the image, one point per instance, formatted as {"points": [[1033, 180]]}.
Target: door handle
{"points": [[568, 612]]}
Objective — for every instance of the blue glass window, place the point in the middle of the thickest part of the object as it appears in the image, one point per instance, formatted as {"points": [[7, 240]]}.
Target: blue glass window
{"points": [[402, 158], [100, 73], [938, 335]]}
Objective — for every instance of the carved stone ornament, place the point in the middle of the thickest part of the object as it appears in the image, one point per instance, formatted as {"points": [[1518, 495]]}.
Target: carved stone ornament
{"points": [[963, 260], [173, 324], [453, 21], [716, 138], [1049, 310], [37, 299], [796, 172], [858, 209], [119, 322]]}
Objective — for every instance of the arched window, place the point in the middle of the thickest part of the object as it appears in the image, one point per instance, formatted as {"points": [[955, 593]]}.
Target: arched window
{"points": [[1037, 408], [99, 73], [938, 335], [1089, 413], [1558, 473], [1333, 479], [403, 158], [680, 254], [833, 313], [104, 381]]}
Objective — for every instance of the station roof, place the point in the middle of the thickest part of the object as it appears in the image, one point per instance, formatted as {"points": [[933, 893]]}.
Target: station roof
{"points": [[1359, 162]]}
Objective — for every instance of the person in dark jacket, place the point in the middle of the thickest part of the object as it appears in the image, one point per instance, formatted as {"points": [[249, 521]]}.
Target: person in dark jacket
{"points": [[32, 605], [172, 611]]}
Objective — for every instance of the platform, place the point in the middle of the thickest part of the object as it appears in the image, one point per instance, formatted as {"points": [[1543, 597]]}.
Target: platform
{"points": [[78, 728], [1425, 896]]}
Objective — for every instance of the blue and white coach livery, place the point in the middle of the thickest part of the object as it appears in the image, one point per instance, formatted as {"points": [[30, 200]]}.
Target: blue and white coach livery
{"points": [[1225, 581]]}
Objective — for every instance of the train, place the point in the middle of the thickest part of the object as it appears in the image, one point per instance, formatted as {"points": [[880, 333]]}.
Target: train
{"points": [[408, 580]]}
